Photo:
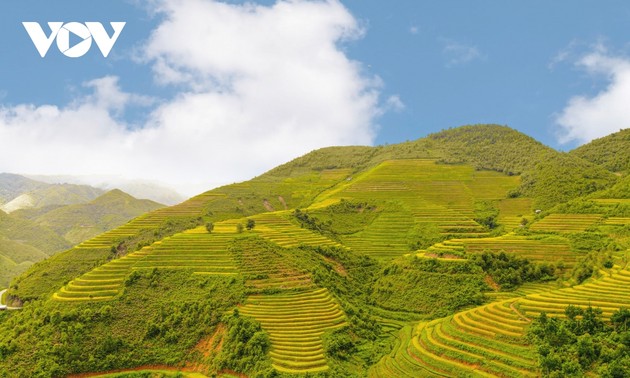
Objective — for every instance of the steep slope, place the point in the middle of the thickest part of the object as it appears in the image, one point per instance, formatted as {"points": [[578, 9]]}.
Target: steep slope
{"points": [[29, 236], [549, 177], [610, 152], [77, 223]]}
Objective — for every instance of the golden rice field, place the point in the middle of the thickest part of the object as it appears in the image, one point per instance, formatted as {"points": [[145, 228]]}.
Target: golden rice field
{"points": [[566, 223], [488, 341]]}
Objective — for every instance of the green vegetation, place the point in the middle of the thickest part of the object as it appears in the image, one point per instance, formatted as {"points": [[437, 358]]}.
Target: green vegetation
{"points": [[509, 271], [429, 287], [80, 222], [427, 258], [29, 236], [151, 324], [610, 152], [582, 343]]}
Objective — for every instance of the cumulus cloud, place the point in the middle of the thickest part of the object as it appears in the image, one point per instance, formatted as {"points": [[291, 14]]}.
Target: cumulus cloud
{"points": [[586, 118], [258, 85]]}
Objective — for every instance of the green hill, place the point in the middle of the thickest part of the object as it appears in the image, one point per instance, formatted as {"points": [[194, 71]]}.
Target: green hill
{"points": [[426, 258], [52, 195], [80, 222], [549, 177], [610, 152], [29, 236]]}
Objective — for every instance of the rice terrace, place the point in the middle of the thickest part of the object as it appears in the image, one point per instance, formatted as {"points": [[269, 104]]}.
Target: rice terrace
{"points": [[474, 252]]}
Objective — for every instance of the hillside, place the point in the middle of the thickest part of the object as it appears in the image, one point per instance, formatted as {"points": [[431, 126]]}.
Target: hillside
{"points": [[24, 242], [11, 186], [610, 152], [426, 258], [28, 236], [549, 177], [77, 223]]}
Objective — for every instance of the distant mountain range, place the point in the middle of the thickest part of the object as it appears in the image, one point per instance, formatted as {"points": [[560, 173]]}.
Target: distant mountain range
{"points": [[138, 188], [38, 219]]}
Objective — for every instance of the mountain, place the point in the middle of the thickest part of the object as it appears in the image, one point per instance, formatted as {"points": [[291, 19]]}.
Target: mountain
{"points": [[20, 192], [473, 251], [11, 186], [31, 235], [610, 152], [547, 176], [77, 223]]}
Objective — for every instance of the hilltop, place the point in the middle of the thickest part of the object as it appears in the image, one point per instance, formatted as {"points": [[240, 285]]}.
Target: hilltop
{"points": [[80, 222], [548, 176], [418, 259], [610, 152], [18, 192]]}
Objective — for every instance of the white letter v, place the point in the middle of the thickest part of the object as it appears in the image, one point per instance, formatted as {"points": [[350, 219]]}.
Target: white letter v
{"points": [[41, 42]]}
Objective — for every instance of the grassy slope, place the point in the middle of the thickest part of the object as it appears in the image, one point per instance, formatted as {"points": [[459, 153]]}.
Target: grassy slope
{"points": [[549, 176], [83, 221], [611, 152], [52, 229], [31, 233]]}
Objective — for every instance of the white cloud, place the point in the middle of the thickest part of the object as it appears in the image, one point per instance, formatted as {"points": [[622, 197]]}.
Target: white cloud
{"points": [[261, 85], [458, 53], [394, 103], [414, 30], [586, 118]]}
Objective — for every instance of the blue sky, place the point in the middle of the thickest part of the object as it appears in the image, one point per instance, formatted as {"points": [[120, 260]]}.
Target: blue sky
{"points": [[200, 93]]}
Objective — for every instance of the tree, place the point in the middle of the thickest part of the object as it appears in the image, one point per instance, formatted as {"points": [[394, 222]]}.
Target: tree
{"points": [[250, 224], [209, 227]]}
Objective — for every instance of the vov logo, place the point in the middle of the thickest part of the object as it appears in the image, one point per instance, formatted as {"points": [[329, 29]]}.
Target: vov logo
{"points": [[60, 32]]}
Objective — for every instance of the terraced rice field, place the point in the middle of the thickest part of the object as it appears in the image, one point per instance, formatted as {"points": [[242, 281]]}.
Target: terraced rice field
{"points": [[485, 341], [513, 210], [386, 237], [552, 249], [295, 323], [154, 219], [608, 293], [276, 228], [102, 283], [617, 221], [297, 313], [612, 201], [490, 185], [266, 270], [542, 250], [198, 252], [427, 193], [488, 341], [566, 223]]}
